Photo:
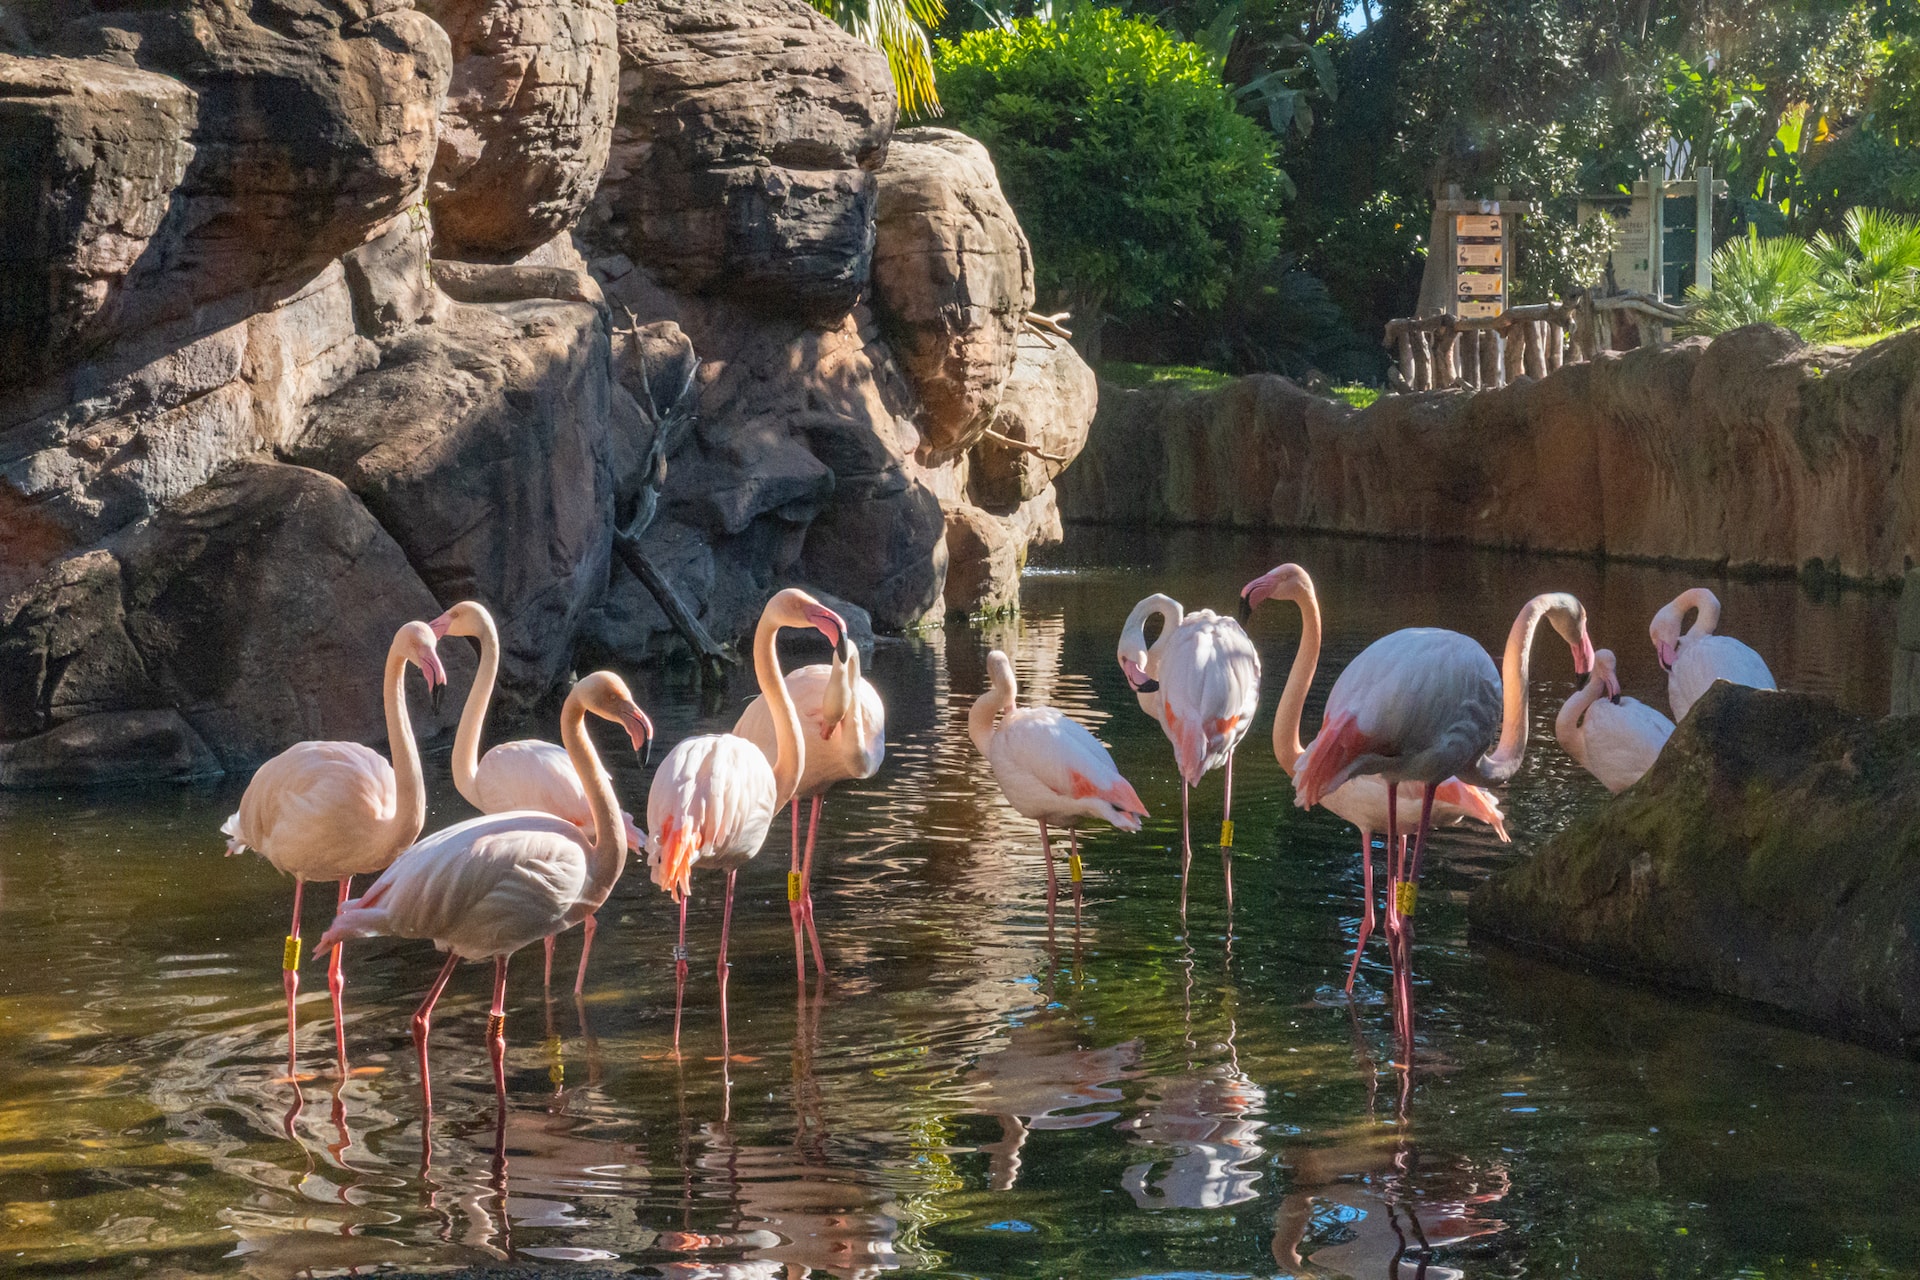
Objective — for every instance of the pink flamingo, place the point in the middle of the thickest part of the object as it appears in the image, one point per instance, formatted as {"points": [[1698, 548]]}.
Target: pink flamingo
{"points": [[1423, 705], [335, 810], [715, 796], [1049, 768], [1201, 680], [519, 775], [1615, 739], [1695, 660], [1361, 800], [843, 708], [484, 888]]}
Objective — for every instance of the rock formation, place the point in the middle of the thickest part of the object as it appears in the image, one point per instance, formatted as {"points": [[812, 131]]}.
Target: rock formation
{"points": [[322, 314], [1752, 450], [1767, 856]]}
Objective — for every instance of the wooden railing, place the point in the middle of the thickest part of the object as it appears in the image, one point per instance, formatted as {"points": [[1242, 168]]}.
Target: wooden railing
{"points": [[1436, 353]]}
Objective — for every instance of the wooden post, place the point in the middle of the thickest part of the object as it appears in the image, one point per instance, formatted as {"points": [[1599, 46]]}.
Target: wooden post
{"points": [[1469, 349], [1490, 360], [1406, 355], [1657, 230], [1422, 379], [1703, 227], [1535, 354], [1515, 352], [1556, 344]]}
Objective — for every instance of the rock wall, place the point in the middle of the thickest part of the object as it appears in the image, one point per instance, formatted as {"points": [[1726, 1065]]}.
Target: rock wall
{"points": [[318, 315], [1769, 856], [1753, 450]]}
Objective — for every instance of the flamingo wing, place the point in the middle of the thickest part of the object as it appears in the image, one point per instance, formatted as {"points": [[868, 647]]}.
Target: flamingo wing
{"points": [[530, 774], [315, 810], [1052, 769], [1709, 658], [712, 799], [1623, 740], [1210, 678]]}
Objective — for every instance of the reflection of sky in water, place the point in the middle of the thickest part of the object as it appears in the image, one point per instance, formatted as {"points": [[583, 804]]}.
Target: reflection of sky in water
{"points": [[974, 1094]]}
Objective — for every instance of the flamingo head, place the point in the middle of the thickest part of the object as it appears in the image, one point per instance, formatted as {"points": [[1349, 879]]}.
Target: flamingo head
{"points": [[1606, 672], [415, 642], [606, 695], [1569, 618], [468, 618], [1287, 582], [836, 703], [1664, 631], [795, 608], [1137, 678]]}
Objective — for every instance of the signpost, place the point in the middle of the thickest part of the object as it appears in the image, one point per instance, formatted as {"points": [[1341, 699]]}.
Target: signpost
{"points": [[1637, 258], [1479, 250]]}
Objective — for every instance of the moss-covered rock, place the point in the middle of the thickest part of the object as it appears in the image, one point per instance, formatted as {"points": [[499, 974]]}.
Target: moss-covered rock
{"points": [[1772, 854]]}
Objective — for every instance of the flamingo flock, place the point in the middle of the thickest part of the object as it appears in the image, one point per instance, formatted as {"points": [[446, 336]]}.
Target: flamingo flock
{"points": [[1418, 730]]}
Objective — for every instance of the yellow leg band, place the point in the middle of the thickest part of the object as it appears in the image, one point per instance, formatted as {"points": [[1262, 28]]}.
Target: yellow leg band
{"points": [[1074, 869], [793, 886], [290, 955], [1406, 896], [1226, 833]]}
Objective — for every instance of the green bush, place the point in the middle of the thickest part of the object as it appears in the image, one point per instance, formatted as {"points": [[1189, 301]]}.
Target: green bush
{"points": [[1758, 281], [1140, 186], [1865, 280]]}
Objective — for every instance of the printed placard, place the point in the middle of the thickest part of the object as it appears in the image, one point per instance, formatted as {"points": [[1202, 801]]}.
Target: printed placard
{"points": [[1478, 224], [1480, 310], [1480, 255], [1481, 284]]}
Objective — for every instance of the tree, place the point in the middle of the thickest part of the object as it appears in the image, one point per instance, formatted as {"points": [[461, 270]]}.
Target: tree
{"points": [[898, 28], [1140, 185]]}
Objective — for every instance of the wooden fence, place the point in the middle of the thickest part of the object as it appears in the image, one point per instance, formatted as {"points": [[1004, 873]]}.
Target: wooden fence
{"points": [[1440, 352]]}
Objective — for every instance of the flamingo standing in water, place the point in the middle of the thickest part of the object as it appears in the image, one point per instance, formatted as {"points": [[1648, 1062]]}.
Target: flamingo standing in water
{"points": [[1614, 738], [335, 810], [1201, 680], [1361, 800], [484, 888], [714, 796], [844, 711], [519, 775], [1422, 706], [1695, 660], [1049, 768]]}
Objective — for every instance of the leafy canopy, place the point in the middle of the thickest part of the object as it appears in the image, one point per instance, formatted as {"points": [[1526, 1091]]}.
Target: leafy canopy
{"points": [[1139, 184]]}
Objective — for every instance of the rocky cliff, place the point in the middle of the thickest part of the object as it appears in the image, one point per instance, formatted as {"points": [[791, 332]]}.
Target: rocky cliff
{"points": [[1753, 450], [319, 315]]}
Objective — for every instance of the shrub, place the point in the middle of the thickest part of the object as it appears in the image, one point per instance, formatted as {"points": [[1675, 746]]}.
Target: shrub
{"points": [[1865, 280], [1758, 281], [1140, 186]]}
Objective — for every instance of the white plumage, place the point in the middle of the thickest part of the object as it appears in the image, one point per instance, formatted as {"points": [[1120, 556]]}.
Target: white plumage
{"points": [[1698, 658], [1615, 738], [712, 801]]}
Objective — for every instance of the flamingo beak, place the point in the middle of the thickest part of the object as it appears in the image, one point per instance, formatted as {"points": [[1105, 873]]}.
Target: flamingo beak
{"points": [[441, 625], [640, 731], [828, 623], [1137, 679], [436, 675], [1583, 655], [1668, 652]]}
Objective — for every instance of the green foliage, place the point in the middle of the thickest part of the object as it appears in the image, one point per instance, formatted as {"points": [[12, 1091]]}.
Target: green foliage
{"points": [[898, 28], [1140, 186], [1863, 281], [1759, 281], [1133, 376]]}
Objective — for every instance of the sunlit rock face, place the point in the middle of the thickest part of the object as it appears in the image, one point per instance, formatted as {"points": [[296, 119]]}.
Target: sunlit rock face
{"points": [[1767, 856], [1752, 450]]}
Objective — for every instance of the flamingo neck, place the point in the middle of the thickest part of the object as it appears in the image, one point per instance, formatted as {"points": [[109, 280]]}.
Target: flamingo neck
{"points": [[1567, 726], [1503, 761], [789, 756], [607, 851], [1293, 698], [1708, 616], [1133, 636], [987, 708], [410, 788], [473, 717]]}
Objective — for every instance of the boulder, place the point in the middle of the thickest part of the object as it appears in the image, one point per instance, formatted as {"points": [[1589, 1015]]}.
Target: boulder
{"points": [[952, 281], [744, 151], [259, 607], [983, 563], [480, 444], [1049, 403], [115, 749], [527, 122], [1770, 855], [90, 155]]}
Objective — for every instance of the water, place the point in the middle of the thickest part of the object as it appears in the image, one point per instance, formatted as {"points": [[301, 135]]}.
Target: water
{"points": [[974, 1095]]}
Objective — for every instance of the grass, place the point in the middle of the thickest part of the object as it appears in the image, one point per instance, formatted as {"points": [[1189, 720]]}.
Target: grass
{"points": [[1860, 340], [1189, 377]]}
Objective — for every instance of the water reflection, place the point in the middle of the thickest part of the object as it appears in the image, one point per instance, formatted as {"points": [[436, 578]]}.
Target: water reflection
{"points": [[971, 1093]]}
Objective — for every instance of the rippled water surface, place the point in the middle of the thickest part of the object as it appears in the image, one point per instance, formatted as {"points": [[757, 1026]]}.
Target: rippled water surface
{"points": [[974, 1094]]}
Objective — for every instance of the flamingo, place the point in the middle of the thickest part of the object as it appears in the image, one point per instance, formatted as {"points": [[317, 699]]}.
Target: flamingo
{"points": [[715, 796], [1695, 660], [1613, 738], [1200, 680], [484, 888], [335, 810], [1423, 705], [1361, 800], [840, 705], [523, 774], [1049, 768]]}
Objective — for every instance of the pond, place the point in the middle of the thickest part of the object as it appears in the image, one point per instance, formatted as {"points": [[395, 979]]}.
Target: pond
{"points": [[974, 1093]]}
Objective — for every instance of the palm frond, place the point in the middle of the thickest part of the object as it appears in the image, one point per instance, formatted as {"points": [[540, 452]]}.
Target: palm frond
{"points": [[898, 28]]}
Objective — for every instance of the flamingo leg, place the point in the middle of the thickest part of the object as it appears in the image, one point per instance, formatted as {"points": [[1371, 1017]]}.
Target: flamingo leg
{"points": [[680, 976], [290, 974], [497, 1030], [1226, 834], [793, 900], [1073, 864], [806, 886], [587, 928], [726, 927], [1366, 918], [546, 979], [1186, 849], [423, 1024], [1053, 885], [337, 983], [1406, 920]]}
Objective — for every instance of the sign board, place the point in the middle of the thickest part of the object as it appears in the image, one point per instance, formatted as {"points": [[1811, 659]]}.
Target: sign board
{"points": [[1629, 257], [1477, 249], [1479, 310], [1480, 255], [1486, 225], [1480, 284]]}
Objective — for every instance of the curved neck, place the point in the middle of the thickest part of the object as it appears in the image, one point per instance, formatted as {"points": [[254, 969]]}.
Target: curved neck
{"points": [[1503, 761], [1708, 616], [789, 753], [1567, 725], [1134, 634], [987, 708], [607, 856], [473, 717], [410, 791], [1293, 698]]}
